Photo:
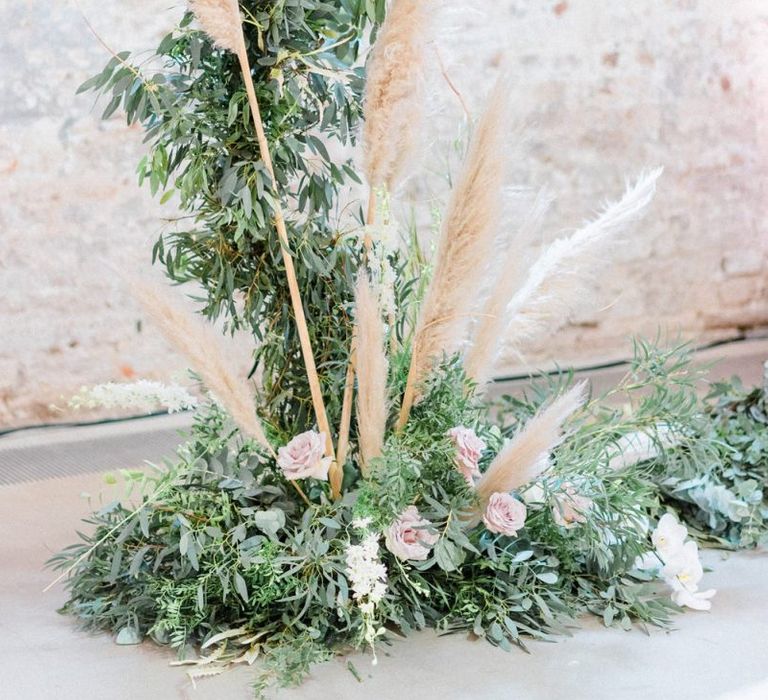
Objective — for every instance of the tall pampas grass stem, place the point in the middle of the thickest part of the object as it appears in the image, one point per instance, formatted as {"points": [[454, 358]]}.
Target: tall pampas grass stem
{"points": [[372, 368], [465, 248]]}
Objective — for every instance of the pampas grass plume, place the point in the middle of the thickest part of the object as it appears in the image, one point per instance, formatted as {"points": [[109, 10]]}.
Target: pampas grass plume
{"points": [[482, 355], [372, 367], [558, 283], [394, 93], [203, 349], [466, 245], [520, 461], [220, 20]]}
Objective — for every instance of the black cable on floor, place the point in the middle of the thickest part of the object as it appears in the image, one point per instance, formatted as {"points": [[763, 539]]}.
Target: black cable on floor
{"points": [[496, 380]]}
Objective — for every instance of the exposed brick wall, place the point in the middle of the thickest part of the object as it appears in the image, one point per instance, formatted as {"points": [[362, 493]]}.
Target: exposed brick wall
{"points": [[605, 89]]}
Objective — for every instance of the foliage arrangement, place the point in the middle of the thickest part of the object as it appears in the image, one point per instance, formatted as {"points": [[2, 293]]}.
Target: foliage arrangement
{"points": [[723, 498], [286, 530]]}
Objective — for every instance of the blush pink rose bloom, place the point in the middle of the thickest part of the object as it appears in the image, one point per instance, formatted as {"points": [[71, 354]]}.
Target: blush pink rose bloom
{"points": [[504, 514], [469, 449], [408, 538], [570, 507], [304, 457]]}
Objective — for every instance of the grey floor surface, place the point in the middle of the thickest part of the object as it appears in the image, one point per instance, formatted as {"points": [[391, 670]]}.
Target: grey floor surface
{"points": [[51, 479]]}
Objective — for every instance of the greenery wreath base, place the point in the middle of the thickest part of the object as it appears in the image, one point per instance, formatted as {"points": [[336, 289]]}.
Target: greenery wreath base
{"points": [[220, 554]]}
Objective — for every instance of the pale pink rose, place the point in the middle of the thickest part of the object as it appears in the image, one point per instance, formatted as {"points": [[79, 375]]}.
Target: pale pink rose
{"points": [[469, 449], [304, 456], [570, 507], [408, 538], [504, 514]]}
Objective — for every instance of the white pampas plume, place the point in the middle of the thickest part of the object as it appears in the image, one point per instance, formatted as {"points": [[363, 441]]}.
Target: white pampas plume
{"points": [[482, 355], [220, 20], [465, 248], [372, 367], [394, 92], [558, 281], [641, 445], [523, 458], [203, 349]]}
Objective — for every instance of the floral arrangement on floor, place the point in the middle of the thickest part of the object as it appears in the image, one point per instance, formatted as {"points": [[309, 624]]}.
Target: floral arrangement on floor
{"points": [[368, 485]]}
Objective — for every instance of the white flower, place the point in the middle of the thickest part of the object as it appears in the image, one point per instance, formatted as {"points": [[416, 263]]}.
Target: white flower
{"points": [[143, 395], [696, 600], [669, 535], [679, 563], [683, 567], [366, 572], [361, 523]]}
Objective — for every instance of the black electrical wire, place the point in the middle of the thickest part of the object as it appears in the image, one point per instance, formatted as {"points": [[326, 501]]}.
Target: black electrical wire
{"points": [[620, 363], [497, 380]]}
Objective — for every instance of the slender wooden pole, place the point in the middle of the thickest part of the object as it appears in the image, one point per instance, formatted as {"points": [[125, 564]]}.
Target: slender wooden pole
{"points": [[342, 445], [290, 271]]}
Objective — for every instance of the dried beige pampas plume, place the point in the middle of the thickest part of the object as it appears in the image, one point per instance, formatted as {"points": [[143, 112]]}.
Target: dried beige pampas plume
{"points": [[523, 458], [558, 282], [220, 19], [465, 248], [372, 367], [203, 349], [394, 94], [482, 355]]}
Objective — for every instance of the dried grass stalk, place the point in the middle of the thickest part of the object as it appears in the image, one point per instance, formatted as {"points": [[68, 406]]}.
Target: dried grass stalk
{"points": [[203, 349], [558, 283], [465, 248], [482, 355], [520, 461], [394, 93], [372, 367]]}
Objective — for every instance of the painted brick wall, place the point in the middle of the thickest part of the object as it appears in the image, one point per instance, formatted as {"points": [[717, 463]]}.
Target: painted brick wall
{"points": [[604, 89]]}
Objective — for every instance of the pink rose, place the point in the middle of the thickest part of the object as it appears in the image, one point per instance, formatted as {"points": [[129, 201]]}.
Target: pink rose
{"points": [[469, 449], [407, 537], [570, 507], [304, 456], [504, 514]]}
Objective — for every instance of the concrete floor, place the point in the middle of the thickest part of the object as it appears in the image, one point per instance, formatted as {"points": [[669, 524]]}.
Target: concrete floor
{"points": [[43, 655]]}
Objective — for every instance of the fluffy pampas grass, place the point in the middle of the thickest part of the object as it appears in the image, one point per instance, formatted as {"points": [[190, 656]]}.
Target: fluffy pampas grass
{"points": [[394, 93], [525, 456], [220, 19], [203, 349], [481, 357], [372, 367], [558, 283], [465, 248]]}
